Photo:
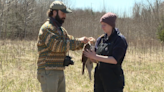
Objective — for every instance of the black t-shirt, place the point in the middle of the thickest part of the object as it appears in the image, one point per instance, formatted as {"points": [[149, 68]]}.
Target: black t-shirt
{"points": [[111, 75], [118, 45]]}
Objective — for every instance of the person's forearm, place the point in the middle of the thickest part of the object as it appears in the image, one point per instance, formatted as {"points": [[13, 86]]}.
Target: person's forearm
{"points": [[75, 43], [106, 59]]}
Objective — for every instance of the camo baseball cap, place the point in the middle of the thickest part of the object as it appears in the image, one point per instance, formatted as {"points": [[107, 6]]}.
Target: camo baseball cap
{"points": [[58, 5]]}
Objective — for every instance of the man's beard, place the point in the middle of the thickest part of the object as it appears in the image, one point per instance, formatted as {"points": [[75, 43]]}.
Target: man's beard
{"points": [[60, 20]]}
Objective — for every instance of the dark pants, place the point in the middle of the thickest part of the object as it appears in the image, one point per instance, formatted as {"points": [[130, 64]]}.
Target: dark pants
{"points": [[104, 82]]}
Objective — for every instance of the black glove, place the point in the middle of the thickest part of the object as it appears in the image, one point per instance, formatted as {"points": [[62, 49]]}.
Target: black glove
{"points": [[68, 61]]}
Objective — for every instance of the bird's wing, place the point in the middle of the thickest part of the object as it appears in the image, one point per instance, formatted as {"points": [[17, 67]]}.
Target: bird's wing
{"points": [[84, 58]]}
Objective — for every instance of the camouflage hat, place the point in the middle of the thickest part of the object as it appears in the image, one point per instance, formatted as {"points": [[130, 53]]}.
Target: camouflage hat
{"points": [[58, 5]]}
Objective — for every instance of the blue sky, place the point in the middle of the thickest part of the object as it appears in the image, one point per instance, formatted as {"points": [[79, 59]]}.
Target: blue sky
{"points": [[116, 6]]}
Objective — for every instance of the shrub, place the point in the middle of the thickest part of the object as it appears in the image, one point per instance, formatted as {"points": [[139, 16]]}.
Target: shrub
{"points": [[160, 33]]}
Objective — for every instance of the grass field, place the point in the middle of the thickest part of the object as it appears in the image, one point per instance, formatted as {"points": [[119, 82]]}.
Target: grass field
{"points": [[143, 68]]}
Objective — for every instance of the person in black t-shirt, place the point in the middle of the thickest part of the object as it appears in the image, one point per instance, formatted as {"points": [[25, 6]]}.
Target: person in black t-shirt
{"points": [[110, 50]]}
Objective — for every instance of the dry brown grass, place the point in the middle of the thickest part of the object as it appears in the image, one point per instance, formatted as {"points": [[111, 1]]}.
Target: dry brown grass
{"points": [[143, 69]]}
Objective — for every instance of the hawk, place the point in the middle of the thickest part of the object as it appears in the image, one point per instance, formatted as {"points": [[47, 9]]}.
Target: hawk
{"points": [[86, 61]]}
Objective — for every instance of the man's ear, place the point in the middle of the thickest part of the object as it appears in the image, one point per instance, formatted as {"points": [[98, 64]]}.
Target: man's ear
{"points": [[54, 14]]}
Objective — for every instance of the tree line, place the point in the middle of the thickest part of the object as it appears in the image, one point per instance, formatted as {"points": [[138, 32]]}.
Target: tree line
{"points": [[22, 19]]}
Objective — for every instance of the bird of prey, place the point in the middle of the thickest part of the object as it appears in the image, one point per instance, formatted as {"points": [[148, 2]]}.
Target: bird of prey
{"points": [[86, 61]]}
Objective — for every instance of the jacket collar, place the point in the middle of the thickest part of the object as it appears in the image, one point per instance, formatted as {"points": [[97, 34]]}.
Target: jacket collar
{"points": [[114, 33]]}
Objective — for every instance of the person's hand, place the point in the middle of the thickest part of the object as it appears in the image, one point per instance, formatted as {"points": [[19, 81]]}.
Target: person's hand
{"points": [[94, 61], [84, 39], [90, 54], [91, 40]]}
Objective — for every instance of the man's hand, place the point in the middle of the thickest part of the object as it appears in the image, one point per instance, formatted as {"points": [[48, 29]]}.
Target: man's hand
{"points": [[92, 40], [84, 39]]}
